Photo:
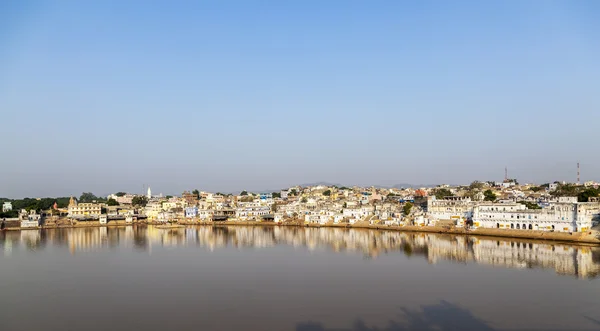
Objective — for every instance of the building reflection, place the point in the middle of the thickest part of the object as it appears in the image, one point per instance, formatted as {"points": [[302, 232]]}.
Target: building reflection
{"points": [[565, 259]]}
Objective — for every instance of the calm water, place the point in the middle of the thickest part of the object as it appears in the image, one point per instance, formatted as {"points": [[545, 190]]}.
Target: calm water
{"points": [[262, 278]]}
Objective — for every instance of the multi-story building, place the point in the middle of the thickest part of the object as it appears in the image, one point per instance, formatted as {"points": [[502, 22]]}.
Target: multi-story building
{"points": [[284, 194], [191, 212], [152, 209], [190, 198], [450, 208], [564, 216], [81, 210], [6, 207]]}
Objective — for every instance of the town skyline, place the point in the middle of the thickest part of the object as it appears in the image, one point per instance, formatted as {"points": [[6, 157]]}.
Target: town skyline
{"points": [[157, 190]]}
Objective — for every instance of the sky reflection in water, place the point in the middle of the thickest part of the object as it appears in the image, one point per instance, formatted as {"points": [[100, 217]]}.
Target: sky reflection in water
{"points": [[282, 278]]}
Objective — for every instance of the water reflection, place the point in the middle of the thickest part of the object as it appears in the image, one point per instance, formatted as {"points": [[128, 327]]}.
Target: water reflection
{"points": [[579, 261], [438, 317]]}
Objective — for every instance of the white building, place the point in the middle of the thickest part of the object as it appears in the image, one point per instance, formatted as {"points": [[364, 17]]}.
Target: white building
{"points": [[450, 208], [29, 220], [7, 206], [559, 217]]}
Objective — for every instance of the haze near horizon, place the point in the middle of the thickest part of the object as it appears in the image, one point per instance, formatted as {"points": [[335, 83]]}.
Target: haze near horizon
{"points": [[232, 95]]}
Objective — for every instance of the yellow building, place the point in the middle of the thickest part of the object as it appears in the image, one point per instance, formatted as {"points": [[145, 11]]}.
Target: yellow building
{"points": [[76, 209]]}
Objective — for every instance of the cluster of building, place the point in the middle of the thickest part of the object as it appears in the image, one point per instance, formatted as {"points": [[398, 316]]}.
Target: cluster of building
{"points": [[387, 206], [560, 214], [518, 207]]}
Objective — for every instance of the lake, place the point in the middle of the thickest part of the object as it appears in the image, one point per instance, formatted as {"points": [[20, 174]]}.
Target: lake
{"points": [[288, 278]]}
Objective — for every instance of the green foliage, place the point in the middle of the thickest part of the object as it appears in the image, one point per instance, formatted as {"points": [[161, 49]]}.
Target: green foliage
{"points": [[530, 205], [36, 204], [196, 193], [9, 214], [304, 200], [87, 197], [441, 193], [112, 202], [276, 194], [244, 193], [537, 188], [407, 208], [139, 200], [293, 192], [476, 185], [489, 195], [274, 207], [566, 190], [246, 198], [586, 194], [168, 196], [327, 193], [344, 188], [120, 194]]}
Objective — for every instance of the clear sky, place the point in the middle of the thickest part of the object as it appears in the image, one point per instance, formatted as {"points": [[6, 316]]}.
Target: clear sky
{"points": [[105, 96]]}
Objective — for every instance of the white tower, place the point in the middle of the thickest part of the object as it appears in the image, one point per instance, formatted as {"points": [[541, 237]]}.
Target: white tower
{"points": [[149, 193]]}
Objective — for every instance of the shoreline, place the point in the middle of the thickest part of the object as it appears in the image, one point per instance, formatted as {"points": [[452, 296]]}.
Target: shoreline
{"points": [[576, 237]]}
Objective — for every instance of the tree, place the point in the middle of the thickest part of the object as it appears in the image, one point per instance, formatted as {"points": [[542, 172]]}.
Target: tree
{"points": [[566, 190], [112, 202], [246, 198], [169, 196], [293, 192], [196, 193], [536, 188], [139, 200], [120, 194], [274, 207], [327, 193], [585, 195], [87, 197], [276, 194], [407, 208], [244, 193], [441, 193], [489, 195], [476, 185], [304, 200]]}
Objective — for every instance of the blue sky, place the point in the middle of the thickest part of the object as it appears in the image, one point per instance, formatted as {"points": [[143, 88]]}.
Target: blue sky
{"points": [[230, 95]]}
